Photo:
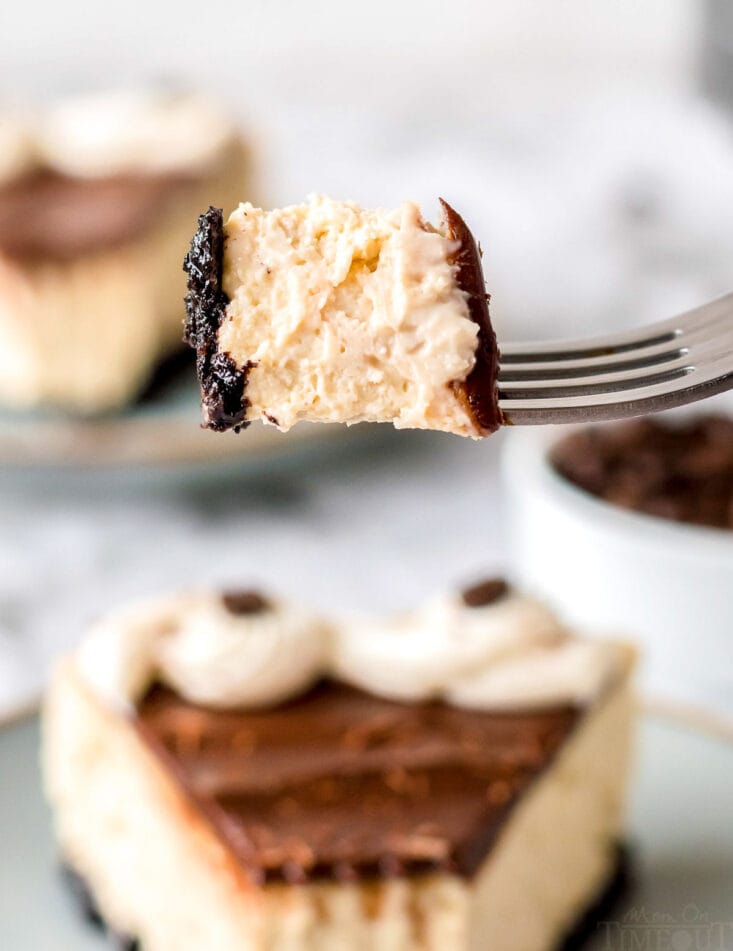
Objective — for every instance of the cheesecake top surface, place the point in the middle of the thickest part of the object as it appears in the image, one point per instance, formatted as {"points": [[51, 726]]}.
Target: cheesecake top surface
{"points": [[93, 171], [46, 215], [341, 784]]}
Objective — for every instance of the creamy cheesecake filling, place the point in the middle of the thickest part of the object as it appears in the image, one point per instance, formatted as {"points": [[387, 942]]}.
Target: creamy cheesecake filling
{"points": [[330, 312], [345, 314]]}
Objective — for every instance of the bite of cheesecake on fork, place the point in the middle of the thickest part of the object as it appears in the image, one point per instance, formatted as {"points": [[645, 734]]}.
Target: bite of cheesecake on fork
{"points": [[330, 312]]}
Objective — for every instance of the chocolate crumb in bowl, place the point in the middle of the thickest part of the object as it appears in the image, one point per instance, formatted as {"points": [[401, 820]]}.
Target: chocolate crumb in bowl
{"points": [[681, 472], [245, 602], [485, 592]]}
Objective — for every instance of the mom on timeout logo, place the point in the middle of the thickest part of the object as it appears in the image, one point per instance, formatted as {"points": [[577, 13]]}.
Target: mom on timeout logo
{"points": [[644, 930]]}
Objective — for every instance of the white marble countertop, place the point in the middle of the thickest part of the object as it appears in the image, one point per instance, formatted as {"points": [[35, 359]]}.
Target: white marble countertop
{"points": [[362, 527]]}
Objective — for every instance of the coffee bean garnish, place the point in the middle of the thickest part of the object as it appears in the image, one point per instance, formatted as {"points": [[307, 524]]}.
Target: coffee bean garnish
{"points": [[485, 592], [245, 602]]}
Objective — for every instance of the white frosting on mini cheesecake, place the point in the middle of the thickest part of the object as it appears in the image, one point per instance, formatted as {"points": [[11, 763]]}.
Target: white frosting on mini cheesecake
{"points": [[510, 653], [17, 149], [126, 132], [205, 652]]}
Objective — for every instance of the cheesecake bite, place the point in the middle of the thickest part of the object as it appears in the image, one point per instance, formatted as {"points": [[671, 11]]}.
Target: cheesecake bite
{"points": [[330, 312], [96, 199], [231, 772]]}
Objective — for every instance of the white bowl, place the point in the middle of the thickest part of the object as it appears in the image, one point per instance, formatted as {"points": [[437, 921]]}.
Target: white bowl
{"points": [[667, 586]]}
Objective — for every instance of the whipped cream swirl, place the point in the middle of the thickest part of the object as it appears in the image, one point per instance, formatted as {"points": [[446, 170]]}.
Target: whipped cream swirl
{"points": [[128, 132], [510, 652], [244, 652], [17, 149], [206, 651], [122, 132]]}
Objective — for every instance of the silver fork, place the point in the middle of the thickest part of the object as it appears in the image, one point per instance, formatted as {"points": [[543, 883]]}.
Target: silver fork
{"points": [[656, 367]]}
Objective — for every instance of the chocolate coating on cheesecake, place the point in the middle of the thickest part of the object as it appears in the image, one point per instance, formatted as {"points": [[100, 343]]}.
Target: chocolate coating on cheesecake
{"points": [[46, 216], [222, 381], [485, 592], [340, 784], [479, 391]]}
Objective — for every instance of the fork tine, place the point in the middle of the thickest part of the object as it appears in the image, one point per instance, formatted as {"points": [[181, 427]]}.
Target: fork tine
{"points": [[667, 332], [652, 356], [553, 386], [712, 374]]}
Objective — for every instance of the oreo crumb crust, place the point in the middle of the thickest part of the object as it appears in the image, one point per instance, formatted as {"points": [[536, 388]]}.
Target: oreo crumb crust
{"points": [[222, 382], [479, 391], [84, 900]]}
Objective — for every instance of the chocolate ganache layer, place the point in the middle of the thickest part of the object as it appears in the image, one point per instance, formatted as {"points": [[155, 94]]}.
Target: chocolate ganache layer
{"points": [[48, 216], [479, 391], [340, 784]]}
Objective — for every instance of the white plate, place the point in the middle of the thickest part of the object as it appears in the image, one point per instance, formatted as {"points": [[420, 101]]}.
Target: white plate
{"points": [[681, 830], [161, 430]]}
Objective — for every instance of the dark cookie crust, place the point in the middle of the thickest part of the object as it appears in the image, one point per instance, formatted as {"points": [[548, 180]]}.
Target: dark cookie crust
{"points": [[84, 900], [478, 392], [222, 381]]}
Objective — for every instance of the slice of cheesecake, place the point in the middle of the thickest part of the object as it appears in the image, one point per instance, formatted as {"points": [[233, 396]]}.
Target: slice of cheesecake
{"points": [[330, 312], [331, 817], [95, 215]]}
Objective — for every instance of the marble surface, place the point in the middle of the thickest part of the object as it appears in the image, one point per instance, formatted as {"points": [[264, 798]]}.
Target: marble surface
{"points": [[369, 525]]}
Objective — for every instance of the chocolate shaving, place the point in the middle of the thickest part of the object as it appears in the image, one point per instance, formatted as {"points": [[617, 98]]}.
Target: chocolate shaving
{"points": [[681, 472], [222, 381], [245, 602], [479, 391], [485, 592]]}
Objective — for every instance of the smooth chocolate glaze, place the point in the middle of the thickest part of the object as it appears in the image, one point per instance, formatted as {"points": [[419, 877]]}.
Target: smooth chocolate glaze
{"points": [[46, 216], [222, 381], [479, 391], [340, 784]]}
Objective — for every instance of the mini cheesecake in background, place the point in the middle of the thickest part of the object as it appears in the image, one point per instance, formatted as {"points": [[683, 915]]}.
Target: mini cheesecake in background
{"points": [[330, 312], [97, 196], [237, 772]]}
